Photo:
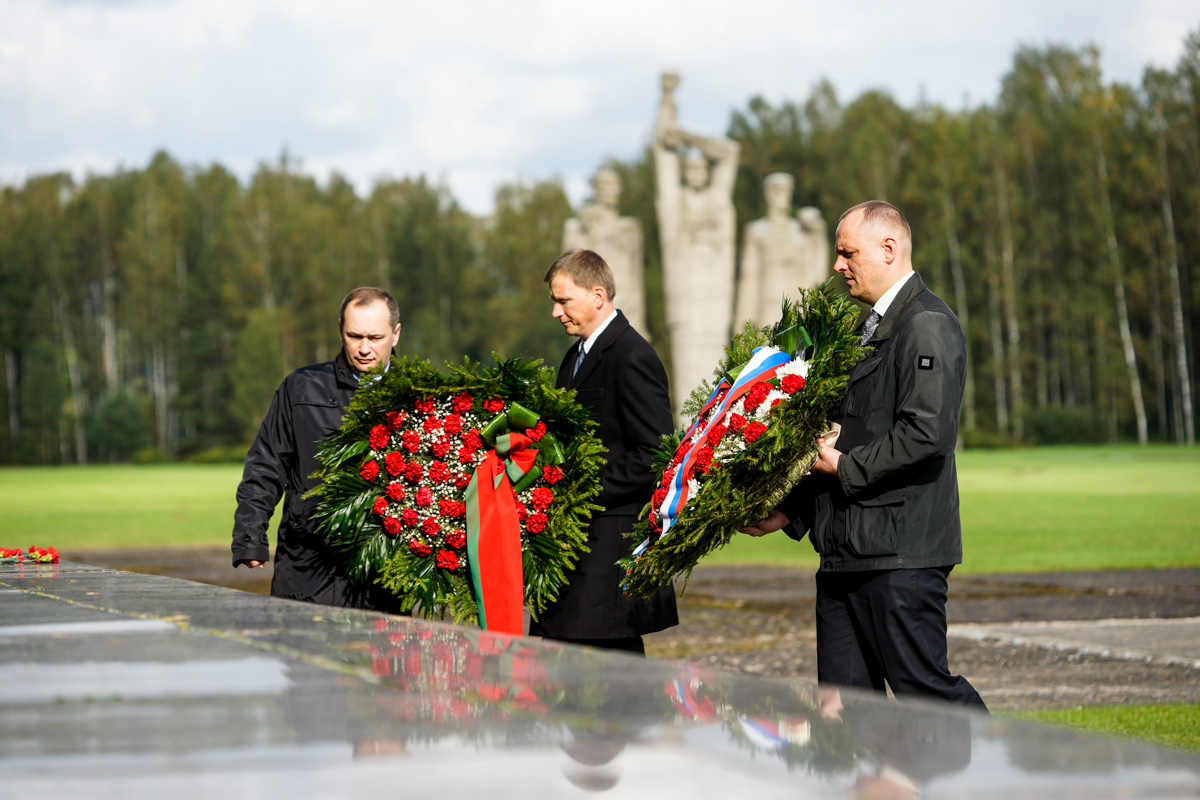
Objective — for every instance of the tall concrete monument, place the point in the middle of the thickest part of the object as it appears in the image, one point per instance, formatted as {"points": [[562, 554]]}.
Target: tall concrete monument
{"points": [[618, 240], [780, 254], [696, 227]]}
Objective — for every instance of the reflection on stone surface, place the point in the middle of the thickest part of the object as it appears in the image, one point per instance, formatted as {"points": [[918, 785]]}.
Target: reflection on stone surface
{"points": [[232, 694]]}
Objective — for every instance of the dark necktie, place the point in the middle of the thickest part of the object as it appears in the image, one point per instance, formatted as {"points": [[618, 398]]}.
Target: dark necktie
{"points": [[578, 361], [868, 328]]}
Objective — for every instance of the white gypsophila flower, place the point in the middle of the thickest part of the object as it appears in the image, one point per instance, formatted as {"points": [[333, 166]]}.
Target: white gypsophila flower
{"points": [[797, 367], [693, 487]]}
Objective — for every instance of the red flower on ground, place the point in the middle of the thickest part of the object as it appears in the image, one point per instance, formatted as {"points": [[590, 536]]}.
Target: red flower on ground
{"points": [[369, 471], [736, 422], [414, 472], [395, 491], [453, 424], [757, 394], [438, 473], [391, 526], [394, 463], [411, 440], [791, 384], [456, 539], [541, 498], [396, 419], [417, 547], [753, 431], [552, 474], [462, 402], [441, 447], [493, 404], [425, 405], [431, 527], [536, 523], [715, 434], [432, 424], [447, 559], [380, 435], [537, 431], [424, 497], [409, 517], [380, 506]]}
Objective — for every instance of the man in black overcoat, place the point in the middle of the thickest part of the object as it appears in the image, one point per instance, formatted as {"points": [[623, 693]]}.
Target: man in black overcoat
{"points": [[882, 507], [621, 380]]}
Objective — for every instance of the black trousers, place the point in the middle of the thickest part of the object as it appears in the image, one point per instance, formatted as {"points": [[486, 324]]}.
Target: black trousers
{"points": [[888, 626]]}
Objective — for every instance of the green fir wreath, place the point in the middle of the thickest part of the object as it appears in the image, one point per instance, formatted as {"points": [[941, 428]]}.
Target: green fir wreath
{"points": [[394, 478], [745, 463]]}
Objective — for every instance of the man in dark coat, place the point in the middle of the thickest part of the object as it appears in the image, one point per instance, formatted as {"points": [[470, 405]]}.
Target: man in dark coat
{"points": [[883, 506], [621, 381], [307, 406]]}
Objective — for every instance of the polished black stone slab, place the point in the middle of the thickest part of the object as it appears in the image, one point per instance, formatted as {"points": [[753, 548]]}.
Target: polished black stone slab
{"points": [[119, 685]]}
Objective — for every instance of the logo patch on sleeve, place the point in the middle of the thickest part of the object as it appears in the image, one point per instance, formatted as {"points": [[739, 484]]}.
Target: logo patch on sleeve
{"points": [[924, 362]]}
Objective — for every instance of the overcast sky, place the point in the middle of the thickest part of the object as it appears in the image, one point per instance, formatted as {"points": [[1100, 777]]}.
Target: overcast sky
{"points": [[474, 94]]}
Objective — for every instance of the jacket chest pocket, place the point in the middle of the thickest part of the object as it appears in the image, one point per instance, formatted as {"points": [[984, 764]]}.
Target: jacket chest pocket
{"points": [[869, 387]]}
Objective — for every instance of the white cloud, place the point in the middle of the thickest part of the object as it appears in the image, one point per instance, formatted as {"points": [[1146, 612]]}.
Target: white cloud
{"points": [[480, 93]]}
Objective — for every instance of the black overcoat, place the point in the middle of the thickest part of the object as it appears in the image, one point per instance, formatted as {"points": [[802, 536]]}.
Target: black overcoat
{"points": [[623, 384]]}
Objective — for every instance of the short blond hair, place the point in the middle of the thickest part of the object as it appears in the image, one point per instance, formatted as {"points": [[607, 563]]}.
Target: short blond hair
{"points": [[586, 269]]}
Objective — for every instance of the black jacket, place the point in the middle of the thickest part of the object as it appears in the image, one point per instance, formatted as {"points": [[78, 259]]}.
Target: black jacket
{"points": [[307, 406], [623, 384], [894, 501]]}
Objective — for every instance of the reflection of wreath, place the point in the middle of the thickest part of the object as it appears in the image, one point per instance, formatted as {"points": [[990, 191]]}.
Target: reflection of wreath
{"points": [[753, 438], [465, 492]]}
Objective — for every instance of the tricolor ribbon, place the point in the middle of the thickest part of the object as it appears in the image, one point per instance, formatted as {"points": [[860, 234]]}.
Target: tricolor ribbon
{"points": [[493, 527]]}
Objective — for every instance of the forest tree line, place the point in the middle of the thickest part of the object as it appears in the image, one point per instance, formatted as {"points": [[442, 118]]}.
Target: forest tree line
{"points": [[152, 312]]}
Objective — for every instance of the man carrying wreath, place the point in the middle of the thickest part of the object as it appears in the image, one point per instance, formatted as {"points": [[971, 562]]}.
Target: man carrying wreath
{"points": [[621, 380], [881, 508], [307, 406]]}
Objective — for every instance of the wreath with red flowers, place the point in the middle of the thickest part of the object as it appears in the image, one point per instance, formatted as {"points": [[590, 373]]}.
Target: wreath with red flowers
{"points": [[753, 436], [397, 498], [35, 555]]}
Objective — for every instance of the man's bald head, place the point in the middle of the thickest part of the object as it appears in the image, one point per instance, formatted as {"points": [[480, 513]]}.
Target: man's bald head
{"points": [[874, 249], [880, 216]]}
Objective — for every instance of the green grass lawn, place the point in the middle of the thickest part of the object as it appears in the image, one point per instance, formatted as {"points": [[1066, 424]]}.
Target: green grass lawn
{"points": [[1175, 726]]}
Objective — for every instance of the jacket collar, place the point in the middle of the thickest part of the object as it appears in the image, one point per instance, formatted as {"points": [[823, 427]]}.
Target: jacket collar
{"points": [[911, 288], [596, 353], [346, 375]]}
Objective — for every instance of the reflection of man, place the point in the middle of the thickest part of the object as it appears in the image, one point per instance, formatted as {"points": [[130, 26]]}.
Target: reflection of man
{"points": [[696, 223], [307, 406], [883, 507], [618, 240], [621, 381], [779, 254]]}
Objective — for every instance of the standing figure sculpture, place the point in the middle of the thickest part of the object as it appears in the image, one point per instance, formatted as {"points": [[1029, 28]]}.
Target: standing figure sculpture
{"points": [[780, 254], [618, 240], [696, 227]]}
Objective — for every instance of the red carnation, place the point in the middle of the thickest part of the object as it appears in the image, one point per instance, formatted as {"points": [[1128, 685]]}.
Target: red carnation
{"points": [[396, 419], [466, 454], [757, 394], [412, 441], [541, 498], [456, 539], [447, 559], [462, 480], [380, 506], [414, 472], [776, 402], [473, 439], [552, 474], [791, 384], [453, 424], [391, 526], [395, 491], [493, 404], [369, 471], [536, 523], [656, 501], [394, 462], [462, 402], [681, 452], [409, 517], [419, 548], [431, 527], [704, 458], [424, 497], [424, 405], [447, 507], [441, 447], [522, 511], [438, 472], [753, 431], [715, 434], [668, 476], [379, 437], [736, 422], [537, 431], [432, 424]]}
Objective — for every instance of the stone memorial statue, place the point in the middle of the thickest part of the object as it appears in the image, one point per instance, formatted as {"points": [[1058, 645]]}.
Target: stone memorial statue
{"points": [[780, 254], [696, 228], [618, 240]]}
